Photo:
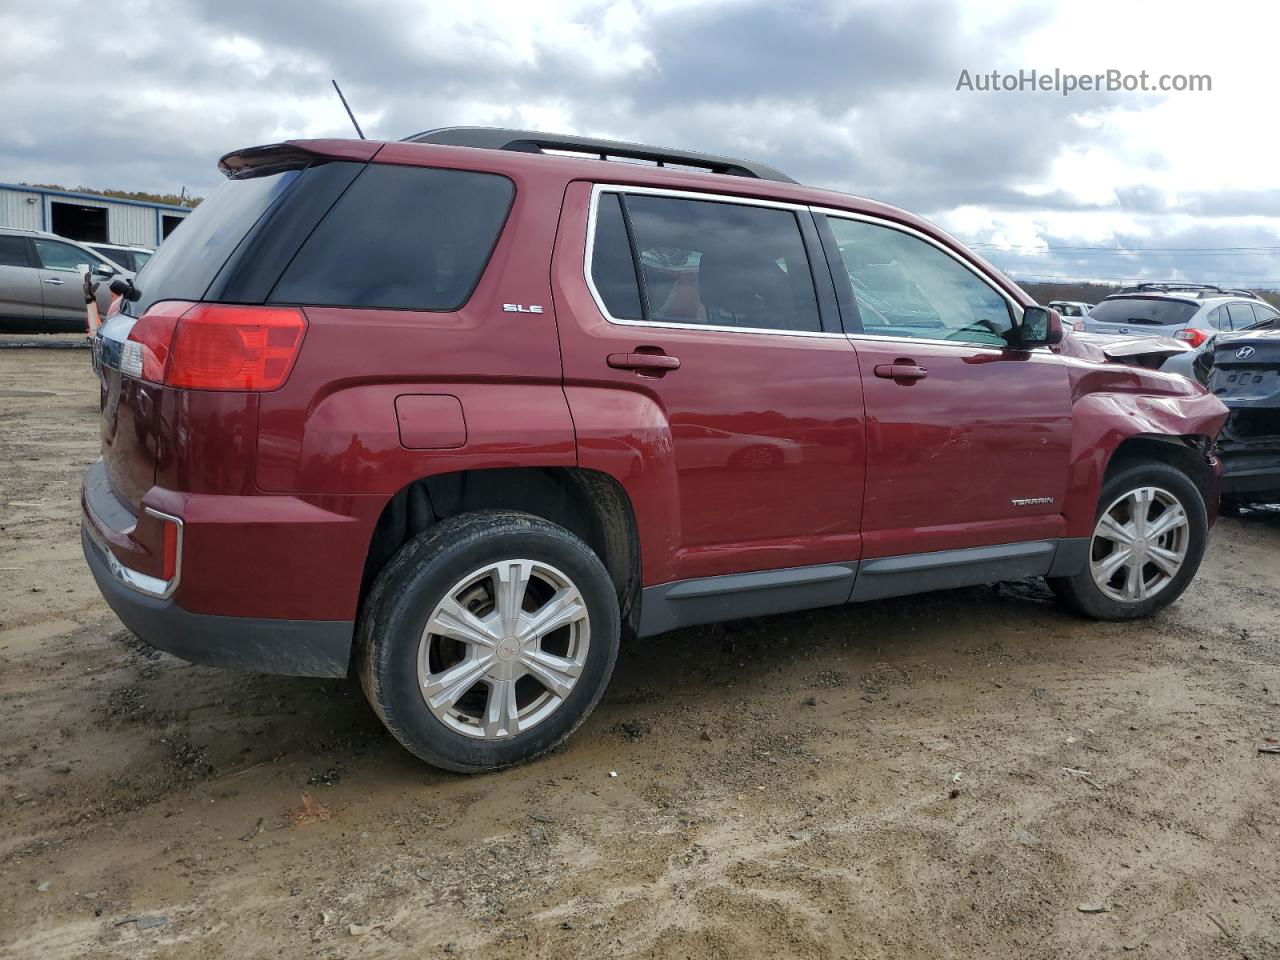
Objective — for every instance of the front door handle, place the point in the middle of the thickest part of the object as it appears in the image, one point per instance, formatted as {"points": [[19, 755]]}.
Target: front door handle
{"points": [[902, 370], [55, 281], [650, 362]]}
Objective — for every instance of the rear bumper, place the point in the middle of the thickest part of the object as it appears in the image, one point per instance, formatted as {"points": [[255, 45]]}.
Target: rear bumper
{"points": [[1249, 468], [304, 648]]}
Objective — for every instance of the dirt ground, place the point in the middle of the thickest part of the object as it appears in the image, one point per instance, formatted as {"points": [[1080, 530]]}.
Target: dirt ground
{"points": [[960, 775]]}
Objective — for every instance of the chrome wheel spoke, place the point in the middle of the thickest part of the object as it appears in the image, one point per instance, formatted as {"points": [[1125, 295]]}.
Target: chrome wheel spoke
{"points": [[443, 689], [1106, 568], [452, 619], [563, 608], [1134, 587], [557, 674], [1170, 520], [1109, 528], [1142, 500], [512, 580], [501, 713], [1168, 561]]}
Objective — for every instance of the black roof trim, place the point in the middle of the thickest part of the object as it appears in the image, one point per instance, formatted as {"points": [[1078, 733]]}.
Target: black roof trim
{"points": [[531, 141], [1177, 286]]}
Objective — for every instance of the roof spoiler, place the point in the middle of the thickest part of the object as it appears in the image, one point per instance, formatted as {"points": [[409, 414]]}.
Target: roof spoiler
{"points": [[532, 141], [292, 152]]}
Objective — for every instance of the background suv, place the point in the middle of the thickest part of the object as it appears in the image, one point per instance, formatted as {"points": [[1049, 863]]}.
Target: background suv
{"points": [[463, 414], [40, 281], [1188, 312]]}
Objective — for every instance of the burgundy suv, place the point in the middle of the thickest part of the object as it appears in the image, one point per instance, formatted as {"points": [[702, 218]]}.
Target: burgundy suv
{"points": [[465, 410]]}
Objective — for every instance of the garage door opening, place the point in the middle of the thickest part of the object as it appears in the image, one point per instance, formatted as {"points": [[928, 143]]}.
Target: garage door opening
{"points": [[86, 224], [168, 224]]}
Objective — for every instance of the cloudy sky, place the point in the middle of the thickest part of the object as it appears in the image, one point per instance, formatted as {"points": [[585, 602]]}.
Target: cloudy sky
{"points": [[858, 96]]}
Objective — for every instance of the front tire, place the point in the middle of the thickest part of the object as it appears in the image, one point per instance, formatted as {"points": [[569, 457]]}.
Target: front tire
{"points": [[488, 639], [1149, 536]]}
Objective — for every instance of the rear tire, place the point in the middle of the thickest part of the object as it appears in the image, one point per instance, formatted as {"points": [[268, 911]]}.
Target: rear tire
{"points": [[1150, 533], [487, 640]]}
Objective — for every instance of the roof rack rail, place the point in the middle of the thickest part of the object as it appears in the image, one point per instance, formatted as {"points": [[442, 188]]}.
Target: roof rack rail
{"points": [[531, 141], [1198, 289]]}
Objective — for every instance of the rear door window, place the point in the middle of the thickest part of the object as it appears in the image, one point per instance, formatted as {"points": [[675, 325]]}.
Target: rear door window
{"points": [[907, 287], [63, 256], [13, 252], [706, 262], [410, 238]]}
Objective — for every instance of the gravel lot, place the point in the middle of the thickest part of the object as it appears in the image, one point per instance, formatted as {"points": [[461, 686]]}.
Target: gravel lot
{"points": [[961, 775]]}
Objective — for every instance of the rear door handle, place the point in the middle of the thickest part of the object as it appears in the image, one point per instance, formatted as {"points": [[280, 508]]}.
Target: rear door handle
{"points": [[901, 371], [643, 361], [55, 281]]}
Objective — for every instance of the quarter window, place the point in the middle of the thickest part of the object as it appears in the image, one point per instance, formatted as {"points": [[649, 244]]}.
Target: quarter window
{"points": [[906, 287], [413, 238], [1241, 315], [704, 262], [1218, 319]]}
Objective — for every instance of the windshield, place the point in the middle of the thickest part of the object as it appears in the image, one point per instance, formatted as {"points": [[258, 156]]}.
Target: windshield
{"points": [[1144, 310]]}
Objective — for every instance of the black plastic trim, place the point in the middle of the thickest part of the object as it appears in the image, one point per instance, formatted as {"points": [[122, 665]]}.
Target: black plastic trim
{"points": [[947, 569], [687, 603], [533, 141], [300, 648]]}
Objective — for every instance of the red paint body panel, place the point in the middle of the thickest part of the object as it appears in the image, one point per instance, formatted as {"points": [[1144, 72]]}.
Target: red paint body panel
{"points": [[947, 454], [761, 451], [747, 457]]}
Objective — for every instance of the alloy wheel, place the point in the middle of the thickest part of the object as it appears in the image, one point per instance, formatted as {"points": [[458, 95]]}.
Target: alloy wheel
{"points": [[1139, 544], [503, 649]]}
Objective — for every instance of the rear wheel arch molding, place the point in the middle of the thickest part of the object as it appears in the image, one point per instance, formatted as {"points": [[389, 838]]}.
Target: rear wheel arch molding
{"points": [[590, 504]]}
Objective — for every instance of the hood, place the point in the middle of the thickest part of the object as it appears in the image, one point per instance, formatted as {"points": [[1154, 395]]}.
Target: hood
{"points": [[1117, 348]]}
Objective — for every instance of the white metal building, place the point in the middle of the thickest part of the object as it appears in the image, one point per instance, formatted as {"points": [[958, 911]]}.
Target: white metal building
{"points": [[88, 217]]}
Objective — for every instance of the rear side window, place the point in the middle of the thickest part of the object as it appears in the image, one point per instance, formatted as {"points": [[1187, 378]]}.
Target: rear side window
{"points": [[410, 238], [1144, 310], [1218, 319], [706, 262], [188, 260], [1264, 317], [13, 252]]}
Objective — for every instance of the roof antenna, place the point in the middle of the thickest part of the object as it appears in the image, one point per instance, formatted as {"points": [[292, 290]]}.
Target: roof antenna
{"points": [[349, 113]]}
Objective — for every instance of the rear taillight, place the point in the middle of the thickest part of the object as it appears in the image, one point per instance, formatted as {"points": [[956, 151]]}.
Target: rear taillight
{"points": [[146, 349], [210, 346], [1191, 335]]}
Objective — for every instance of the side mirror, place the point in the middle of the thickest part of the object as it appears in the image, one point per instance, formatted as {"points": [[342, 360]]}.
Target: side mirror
{"points": [[102, 270], [1040, 327]]}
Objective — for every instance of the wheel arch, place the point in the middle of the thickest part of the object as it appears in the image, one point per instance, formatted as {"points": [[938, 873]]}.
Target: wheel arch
{"points": [[590, 504]]}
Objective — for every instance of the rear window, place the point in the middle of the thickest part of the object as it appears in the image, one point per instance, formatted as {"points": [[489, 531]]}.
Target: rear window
{"points": [[410, 238], [188, 260], [1143, 310]]}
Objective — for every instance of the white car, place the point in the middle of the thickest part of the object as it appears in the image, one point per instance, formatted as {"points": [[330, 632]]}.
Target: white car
{"points": [[1071, 311], [1191, 312]]}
